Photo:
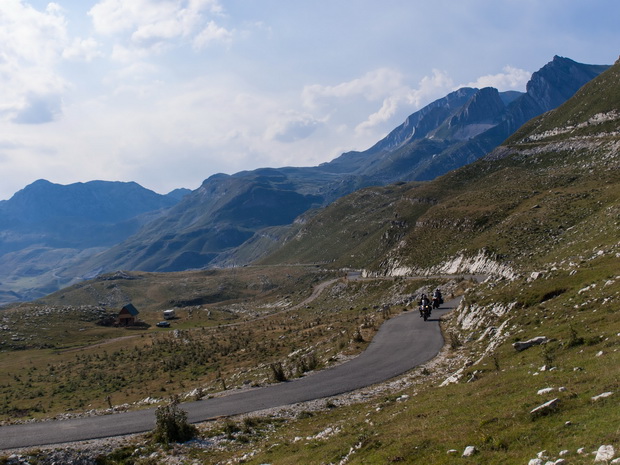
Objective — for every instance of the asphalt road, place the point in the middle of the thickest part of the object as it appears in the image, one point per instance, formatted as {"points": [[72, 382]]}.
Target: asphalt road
{"points": [[401, 344]]}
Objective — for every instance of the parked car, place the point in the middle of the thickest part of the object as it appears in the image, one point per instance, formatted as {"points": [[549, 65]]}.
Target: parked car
{"points": [[163, 324]]}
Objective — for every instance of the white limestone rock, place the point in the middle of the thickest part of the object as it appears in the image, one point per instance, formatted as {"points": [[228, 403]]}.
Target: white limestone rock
{"points": [[605, 453], [522, 345], [469, 451]]}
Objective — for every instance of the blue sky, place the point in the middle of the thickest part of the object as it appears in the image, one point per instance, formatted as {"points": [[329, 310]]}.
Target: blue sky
{"points": [[169, 92]]}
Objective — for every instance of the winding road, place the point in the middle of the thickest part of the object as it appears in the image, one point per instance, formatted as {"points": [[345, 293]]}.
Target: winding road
{"points": [[402, 343]]}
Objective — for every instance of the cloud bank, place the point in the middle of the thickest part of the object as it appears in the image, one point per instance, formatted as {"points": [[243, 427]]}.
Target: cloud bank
{"points": [[169, 92]]}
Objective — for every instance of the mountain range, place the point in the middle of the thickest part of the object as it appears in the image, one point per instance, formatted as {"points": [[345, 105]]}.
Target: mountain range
{"points": [[546, 198], [234, 219], [524, 375]]}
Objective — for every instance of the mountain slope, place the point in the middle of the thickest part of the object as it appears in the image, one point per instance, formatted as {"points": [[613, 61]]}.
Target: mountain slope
{"points": [[555, 183], [526, 368], [227, 211], [77, 215]]}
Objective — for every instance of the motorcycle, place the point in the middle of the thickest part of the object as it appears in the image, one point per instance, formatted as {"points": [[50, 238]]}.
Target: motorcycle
{"points": [[425, 311]]}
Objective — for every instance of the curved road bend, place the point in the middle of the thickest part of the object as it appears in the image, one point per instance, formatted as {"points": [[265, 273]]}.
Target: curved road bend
{"points": [[402, 343]]}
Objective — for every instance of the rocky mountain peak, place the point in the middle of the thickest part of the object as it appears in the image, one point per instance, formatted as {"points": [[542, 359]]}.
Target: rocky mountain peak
{"points": [[559, 79], [484, 109]]}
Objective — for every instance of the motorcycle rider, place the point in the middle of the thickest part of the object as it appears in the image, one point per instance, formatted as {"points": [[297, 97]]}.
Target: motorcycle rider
{"points": [[424, 301], [437, 298]]}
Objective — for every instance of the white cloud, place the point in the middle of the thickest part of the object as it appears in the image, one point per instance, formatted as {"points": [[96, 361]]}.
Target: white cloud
{"points": [[82, 49], [212, 33], [31, 45], [511, 79], [39, 109], [430, 87], [372, 86], [155, 24], [386, 87], [292, 127]]}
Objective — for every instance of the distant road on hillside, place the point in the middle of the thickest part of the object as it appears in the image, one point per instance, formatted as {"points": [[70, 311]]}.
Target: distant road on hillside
{"points": [[402, 343]]}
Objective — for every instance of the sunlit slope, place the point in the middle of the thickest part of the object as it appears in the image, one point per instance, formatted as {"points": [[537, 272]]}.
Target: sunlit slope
{"points": [[552, 189]]}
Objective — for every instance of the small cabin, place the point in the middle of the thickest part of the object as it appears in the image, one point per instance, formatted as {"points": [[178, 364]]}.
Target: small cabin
{"points": [[169, 314], [128, 315]]}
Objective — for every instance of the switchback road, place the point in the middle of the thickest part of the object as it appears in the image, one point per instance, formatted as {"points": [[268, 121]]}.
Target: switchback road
{"points": [[401, 344]]}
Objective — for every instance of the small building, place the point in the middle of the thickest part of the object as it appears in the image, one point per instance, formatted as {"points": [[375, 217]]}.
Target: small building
{"points": [[127, 315]]}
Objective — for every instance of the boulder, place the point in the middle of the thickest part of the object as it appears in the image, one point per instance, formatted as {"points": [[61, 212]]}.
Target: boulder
{"points": [[469, 451], [605, 454]]}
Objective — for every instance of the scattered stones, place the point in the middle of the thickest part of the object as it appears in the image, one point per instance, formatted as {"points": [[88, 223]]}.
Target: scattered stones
{"points": [[542, 459], [522, 345], [546, 408]]}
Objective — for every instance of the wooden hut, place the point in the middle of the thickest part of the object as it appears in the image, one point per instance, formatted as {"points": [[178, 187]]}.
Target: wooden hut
{"points": [[127, 315]]}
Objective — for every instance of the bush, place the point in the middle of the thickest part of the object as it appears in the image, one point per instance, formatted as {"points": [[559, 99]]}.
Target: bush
{"points": [[277, 370], [172, 425]]}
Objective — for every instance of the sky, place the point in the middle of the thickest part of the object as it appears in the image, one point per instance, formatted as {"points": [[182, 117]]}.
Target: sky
{"points": [[169, 92]]}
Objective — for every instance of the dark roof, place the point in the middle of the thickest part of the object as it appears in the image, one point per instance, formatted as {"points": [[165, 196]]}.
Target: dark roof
{"points": [[131, 309]]}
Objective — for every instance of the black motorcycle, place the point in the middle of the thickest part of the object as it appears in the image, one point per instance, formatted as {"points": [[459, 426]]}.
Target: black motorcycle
{"points": [[425, 311]]}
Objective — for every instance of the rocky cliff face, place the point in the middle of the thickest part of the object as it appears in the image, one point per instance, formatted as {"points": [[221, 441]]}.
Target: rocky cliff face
{"points": [[482, 111], [558, 81]]}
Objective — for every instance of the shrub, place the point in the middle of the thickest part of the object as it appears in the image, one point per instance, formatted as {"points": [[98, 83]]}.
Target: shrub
{"points": [[278, 372], [172, 424], [574, 339], [230, 428]]}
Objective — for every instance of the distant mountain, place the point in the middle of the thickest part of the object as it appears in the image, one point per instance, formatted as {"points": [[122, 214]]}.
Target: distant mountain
{"points": [[96, 213], [462, 127], [547, 198], [45, 224], [228, 215], [226, 211], [445, 135]]}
